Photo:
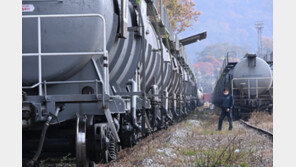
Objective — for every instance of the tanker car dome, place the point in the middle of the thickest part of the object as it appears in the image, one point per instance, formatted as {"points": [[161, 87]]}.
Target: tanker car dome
{"points": [[252, 68]]}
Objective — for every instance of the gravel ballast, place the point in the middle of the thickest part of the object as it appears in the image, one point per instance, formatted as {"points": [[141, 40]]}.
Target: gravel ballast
{"points": [[195, 142]]}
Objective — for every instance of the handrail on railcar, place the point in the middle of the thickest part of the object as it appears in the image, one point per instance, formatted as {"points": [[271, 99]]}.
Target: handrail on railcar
{"points": [[39, 54]]}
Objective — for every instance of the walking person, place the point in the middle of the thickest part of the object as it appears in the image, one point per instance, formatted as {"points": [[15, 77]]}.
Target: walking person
{"points": [[226, 106]]}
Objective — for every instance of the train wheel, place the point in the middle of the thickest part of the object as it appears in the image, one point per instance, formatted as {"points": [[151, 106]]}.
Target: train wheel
{"points": [[169, 116], [101, 145], [128, 139], [133, 139], [159, 116], [82, 159], [235, 114]]}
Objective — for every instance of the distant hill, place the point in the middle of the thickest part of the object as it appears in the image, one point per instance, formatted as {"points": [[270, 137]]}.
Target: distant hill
{"points": [[209, 61]]}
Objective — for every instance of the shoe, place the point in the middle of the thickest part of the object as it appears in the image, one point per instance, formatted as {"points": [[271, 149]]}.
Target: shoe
{"points": [[230, 129]]}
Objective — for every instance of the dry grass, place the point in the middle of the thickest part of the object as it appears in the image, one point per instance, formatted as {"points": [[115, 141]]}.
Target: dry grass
{"points": [[195, 142], [262, 120]]}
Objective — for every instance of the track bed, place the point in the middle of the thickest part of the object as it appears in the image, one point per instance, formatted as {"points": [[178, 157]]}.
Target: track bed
{"points": [[195, 141]]}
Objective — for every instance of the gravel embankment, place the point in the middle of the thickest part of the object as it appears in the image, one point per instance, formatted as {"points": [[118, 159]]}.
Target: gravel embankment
{"points": [[195, 142]]}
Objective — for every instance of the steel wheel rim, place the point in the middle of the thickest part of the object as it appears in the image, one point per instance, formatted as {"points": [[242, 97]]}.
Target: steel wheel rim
{"points": [[81, 152]]}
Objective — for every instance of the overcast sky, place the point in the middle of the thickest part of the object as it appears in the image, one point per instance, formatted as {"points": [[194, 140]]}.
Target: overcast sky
{"points": [[230, 21]]}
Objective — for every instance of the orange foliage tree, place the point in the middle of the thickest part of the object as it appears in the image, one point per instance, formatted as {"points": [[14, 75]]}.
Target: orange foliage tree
{"points": [[182, 13]]}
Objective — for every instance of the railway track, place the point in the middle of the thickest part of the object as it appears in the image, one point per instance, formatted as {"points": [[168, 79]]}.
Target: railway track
{"points": [[262, 131]]}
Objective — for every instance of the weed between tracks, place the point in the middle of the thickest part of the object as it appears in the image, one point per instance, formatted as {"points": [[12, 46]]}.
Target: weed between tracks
{"points": [[195, 142], [210, 152]]}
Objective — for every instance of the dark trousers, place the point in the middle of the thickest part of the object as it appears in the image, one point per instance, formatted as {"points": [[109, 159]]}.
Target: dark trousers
{"points": [[222, 116]]}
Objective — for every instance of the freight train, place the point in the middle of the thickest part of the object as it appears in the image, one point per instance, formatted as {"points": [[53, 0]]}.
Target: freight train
{"points": [[98, 75], [249, 81]]}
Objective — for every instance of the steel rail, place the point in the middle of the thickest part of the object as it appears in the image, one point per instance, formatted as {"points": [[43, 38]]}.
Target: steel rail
{"points": [[269, 134]]}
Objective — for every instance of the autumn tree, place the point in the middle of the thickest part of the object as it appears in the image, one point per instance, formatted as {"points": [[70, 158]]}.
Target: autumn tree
{"points": [[182, 13], [209, 61], [267, 45]]}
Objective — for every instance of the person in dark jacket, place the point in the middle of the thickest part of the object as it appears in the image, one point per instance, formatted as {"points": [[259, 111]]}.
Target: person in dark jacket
{"points": [[226, 106]]}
